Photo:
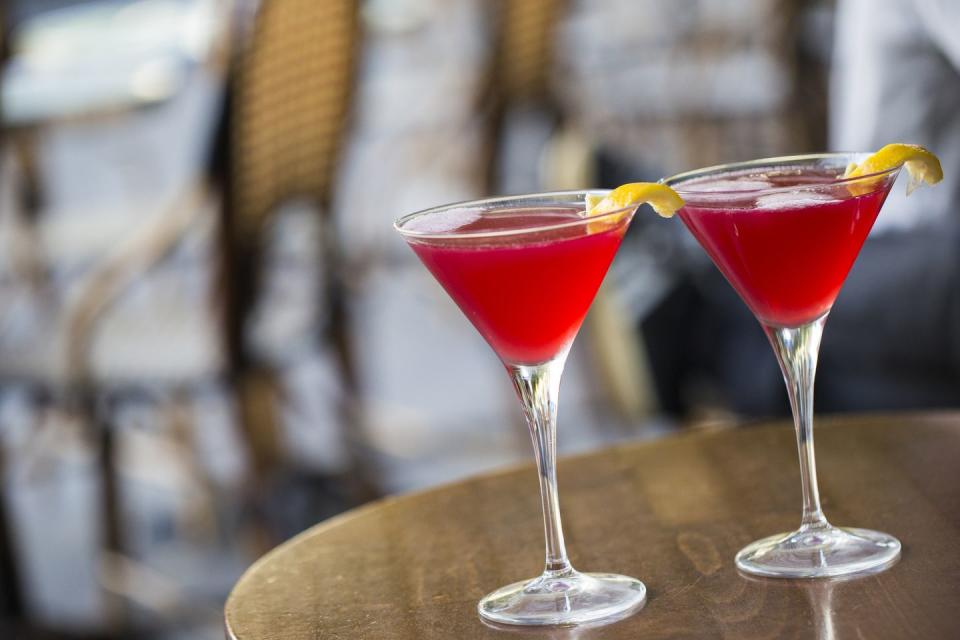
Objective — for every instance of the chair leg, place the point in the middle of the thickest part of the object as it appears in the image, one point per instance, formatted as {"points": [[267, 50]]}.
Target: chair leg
{"points": [[11, 599], [202, 513], [363, 483], [114, 608], [256, 401]]}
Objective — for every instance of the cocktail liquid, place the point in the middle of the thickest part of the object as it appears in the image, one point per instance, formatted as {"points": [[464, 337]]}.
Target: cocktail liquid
{"points": [[786, 252], [527, 292]]}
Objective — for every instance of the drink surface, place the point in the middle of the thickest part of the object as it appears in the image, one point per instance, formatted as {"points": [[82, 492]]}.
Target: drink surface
{"points": [[526, 293], [786, 252]]}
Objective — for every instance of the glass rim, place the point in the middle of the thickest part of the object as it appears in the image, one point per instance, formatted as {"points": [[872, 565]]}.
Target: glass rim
{"points": [[520, 198], [676, 181]]}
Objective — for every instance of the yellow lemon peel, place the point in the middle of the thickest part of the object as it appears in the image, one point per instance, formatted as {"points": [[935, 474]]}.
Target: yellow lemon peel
{"points": [[662, 198], [922, 166]]}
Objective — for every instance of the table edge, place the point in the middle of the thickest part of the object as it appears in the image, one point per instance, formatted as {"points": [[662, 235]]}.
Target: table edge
{"points": [[949, 417]]}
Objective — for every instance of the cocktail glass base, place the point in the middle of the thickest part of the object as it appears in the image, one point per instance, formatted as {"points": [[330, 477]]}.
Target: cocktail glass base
{"points": [[568, 598], [820, 552]]}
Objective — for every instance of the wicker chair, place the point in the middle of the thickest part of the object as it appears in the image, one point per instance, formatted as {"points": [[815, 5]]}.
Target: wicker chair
{"points": [[291, 96]]}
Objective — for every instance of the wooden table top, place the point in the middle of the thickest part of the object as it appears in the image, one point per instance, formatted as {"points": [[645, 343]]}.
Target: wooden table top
{"points": [[671, 512]]}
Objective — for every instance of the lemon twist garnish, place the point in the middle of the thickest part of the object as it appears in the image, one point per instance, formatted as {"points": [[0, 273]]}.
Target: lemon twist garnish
{"points": [[662, 198], [921, 165]]}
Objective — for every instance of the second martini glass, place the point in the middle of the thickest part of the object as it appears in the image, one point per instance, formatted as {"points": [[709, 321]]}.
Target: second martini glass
{"points": [[785, 232], [524, 271]]}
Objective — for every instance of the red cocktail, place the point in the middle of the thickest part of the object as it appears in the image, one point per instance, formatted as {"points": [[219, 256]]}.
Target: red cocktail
{"points": [[526, 294], [524, 270], [786, 253], [785, 232]]}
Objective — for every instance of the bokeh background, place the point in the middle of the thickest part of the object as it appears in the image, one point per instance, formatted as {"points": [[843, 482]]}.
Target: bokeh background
{"points": [[211, 338]]}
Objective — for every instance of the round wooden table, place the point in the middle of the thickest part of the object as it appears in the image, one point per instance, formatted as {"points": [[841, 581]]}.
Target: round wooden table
{"points": [[671, 512]]}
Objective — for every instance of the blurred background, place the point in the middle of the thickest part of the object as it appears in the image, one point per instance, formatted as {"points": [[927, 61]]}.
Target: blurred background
{"points": [[211, 338]]}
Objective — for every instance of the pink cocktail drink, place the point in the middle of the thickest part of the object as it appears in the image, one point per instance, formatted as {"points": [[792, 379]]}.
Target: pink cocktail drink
{"points": [[787, 253], [524, 270], [785, 232], [527, 295]]}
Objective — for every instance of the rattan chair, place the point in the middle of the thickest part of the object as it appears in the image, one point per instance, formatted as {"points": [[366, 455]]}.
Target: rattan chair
{"points": [[289, 108]]}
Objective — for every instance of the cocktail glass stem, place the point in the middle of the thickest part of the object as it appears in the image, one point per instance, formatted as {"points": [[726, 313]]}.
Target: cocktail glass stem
{"points": [[538, 388], [560, 595], [797, 350], [817, 549]]}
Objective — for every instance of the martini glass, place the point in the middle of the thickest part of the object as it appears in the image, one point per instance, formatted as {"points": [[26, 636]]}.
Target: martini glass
{"points": [[524, 270], [785, 232]]}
